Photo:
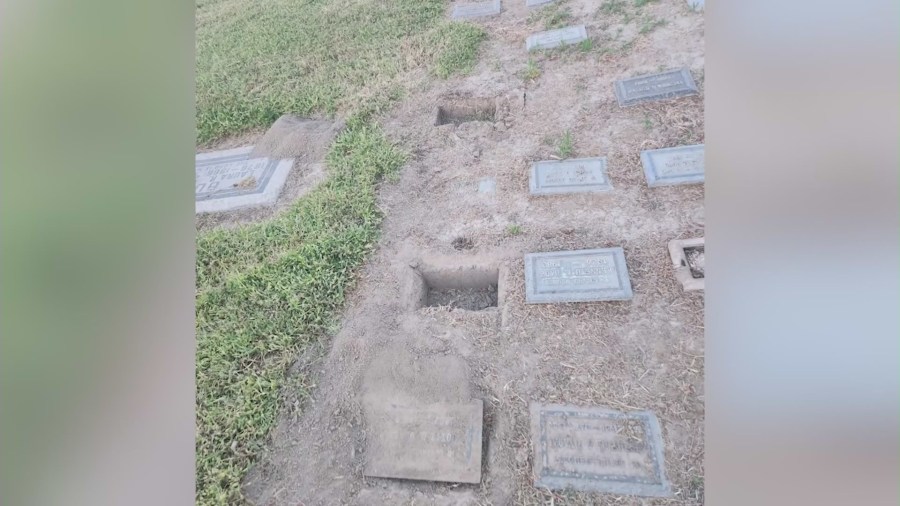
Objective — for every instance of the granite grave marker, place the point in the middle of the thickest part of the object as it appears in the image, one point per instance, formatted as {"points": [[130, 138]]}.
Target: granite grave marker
{"points": [[535, 3], [577, 276], [230, 179], [580, 175], [476, 10], [556, 38], [668, 84], [671, 166], [598, 450], [438, 442]]}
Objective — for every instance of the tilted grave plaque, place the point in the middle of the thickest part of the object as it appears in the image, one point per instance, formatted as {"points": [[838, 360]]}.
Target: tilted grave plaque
{"points": [[576, 276], [669, 84], [671, 166], [230, 179], [438, 442], [580, 175], [598, 450], [556, 38]]}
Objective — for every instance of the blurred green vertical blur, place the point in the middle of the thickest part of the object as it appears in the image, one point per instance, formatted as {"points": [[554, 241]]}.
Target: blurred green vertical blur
{"points": [[96, 152]]}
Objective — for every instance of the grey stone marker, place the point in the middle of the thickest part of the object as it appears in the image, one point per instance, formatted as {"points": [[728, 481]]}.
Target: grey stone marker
{"points": [[230, 179], [668, 84], [671, 166], [598, 450], [438, 442], [580, 175], [556, 38], [696, 5], [535, 3], [576, 276], [476, 10]]}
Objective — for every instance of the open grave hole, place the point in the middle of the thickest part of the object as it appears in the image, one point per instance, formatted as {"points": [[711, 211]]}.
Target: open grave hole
{"points": [[473, 288], [696, 261], [466, 109]]}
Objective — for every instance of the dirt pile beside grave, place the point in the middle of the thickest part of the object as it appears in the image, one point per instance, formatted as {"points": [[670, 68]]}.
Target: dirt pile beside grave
{"points": [[641, 354]]}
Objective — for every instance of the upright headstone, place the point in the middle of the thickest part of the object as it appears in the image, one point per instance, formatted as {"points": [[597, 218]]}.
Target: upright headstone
{"points": [[476, 10], [230, 179], [648, 88], [438, 442], [577, 276], [556, 38], [598, 450], [580, 175], [671, 166]]}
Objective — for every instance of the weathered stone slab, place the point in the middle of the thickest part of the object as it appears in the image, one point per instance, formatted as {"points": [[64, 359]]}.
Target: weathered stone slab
{"points": [[696, 5], [691, 277], [556, 38], [577, 276], [668, 84], [671, 166], [598, 450], [580, 175], [535, 3], [230, 179], [476, 10], [439, 442]]}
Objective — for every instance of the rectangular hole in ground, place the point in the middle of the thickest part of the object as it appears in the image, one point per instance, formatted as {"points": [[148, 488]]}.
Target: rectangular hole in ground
{"points": [[463, 110], [470, 289], [696, 260]]}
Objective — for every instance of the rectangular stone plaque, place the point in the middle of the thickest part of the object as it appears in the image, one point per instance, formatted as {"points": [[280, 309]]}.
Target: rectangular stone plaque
{"points": [[678, 165], [668, 84], [439, 442], [535, 3], [581, 175], [576, 276], [556, 38], [476, 10], [230, 179], [598, 450]]}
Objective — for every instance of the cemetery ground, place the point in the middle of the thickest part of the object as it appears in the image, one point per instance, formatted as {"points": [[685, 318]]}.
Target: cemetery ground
{"points": [[308, 316]]}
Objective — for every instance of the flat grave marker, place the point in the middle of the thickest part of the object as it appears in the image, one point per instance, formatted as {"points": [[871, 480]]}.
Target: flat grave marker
{"points": [[672, 166], [535, 3], [556, 38], [476, 10], [580, 175], [230, 179], [598, 450], [438, 442], [577, 276], [661, 86]]}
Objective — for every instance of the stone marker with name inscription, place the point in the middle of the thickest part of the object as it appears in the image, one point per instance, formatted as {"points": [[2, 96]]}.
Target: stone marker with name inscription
{"points": [[577, 276], [230, 179], [556, 38], [648, 88], [476, 10], [671, 166], [598, 450], [438, 442], [580, 175]]}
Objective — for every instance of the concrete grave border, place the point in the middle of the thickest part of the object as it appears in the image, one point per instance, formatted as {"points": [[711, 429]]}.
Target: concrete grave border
{"points": [[265, 193], [682, 269]]}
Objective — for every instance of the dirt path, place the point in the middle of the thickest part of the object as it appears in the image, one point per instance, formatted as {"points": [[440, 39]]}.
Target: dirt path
{"points": [[459, 203]]}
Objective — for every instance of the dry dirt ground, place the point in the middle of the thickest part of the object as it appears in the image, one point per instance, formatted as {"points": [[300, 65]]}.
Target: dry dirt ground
{"points": [[444, 213]]}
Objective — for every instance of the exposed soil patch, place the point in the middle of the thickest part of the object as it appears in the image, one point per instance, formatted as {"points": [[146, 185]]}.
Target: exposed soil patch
{"points": [[473, 299], [696, 261], [466, 109], [643, 354], [461, 243]]}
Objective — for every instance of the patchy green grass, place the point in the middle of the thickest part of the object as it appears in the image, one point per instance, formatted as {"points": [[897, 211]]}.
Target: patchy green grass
{"points": [[258, 59], [552, 16], [513, 229], [265, 291], [532, 71], [649, 24], [566, 145]]}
